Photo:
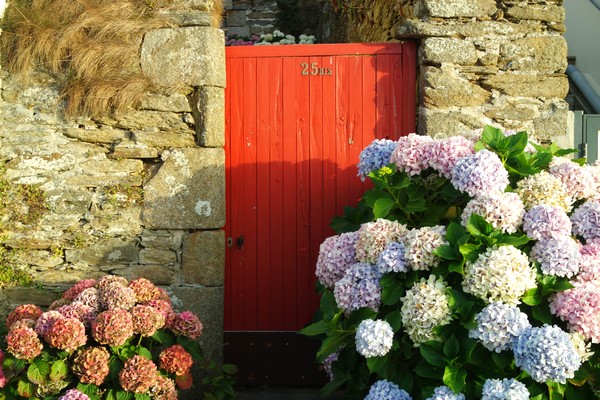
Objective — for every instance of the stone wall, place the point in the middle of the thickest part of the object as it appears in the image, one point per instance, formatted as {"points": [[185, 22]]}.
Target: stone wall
{"points": [[245, 17], [497, 62], [140, 193]]}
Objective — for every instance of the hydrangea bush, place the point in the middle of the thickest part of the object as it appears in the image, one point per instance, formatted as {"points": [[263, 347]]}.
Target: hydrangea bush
{"points": [[107, 339], [471, 270]]}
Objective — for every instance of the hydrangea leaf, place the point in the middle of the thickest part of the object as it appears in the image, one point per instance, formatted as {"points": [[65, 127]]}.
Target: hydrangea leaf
{"points": [[59, 370], [452, 347], [377, 364], [432, 353], [455, 378], [394, 318], [425, 370], [25, 389], [532, 297], [382, 207], [38, 372]]}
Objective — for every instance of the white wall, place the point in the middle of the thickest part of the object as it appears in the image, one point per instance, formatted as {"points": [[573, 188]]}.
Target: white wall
{"points": [[583, 38]]}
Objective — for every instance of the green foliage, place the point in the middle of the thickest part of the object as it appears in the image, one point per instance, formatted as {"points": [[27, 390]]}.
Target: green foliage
{"points": [[456, 360]]}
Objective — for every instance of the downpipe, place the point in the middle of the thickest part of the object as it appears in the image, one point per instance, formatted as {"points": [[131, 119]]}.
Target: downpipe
{"points": [[584, 87]]}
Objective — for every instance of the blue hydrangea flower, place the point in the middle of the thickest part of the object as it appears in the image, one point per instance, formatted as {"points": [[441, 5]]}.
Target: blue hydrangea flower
{"points": [[480, 174], [498, 324], [375, 156], [505, 389], [392, 258], [546, 353], [445, 393], [386, 390]]}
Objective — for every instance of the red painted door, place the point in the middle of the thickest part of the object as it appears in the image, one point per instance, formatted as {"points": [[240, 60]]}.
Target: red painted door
{"points": [[297, 118]]}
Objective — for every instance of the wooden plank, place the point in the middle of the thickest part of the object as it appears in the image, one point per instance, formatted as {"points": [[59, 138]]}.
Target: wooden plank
{"points": [[343, 79], [267, 87], [317, 111], [396, 94], [355, 128], [302, 206], [236, 200], [384, 100], [277, 237], [328, 194], [292, 98], [369, 106], [227, 228], [323, 50], [250, 282]]}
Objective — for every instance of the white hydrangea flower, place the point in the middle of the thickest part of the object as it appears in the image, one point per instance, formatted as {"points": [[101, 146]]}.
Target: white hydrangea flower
{"points": [[424, 307], [374, 338], [420, 244], [500, 274]]}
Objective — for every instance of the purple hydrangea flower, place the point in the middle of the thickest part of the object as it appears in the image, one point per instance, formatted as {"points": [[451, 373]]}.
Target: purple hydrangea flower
{"points": [[544, 222], [558, 256], [336, 255], [358, 288], [505, 389], [586, 220], [392, 258], [386, 390], [375, 156], [74, 394], [445, 393], [479, 174], [546, 353], [498, 324]]}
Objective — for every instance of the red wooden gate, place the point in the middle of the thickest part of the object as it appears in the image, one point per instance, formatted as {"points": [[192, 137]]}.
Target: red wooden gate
{"points": [[297, 118]]}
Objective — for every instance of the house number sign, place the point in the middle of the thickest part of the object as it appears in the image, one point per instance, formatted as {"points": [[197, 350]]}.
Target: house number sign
{"points": [[314, 69]]}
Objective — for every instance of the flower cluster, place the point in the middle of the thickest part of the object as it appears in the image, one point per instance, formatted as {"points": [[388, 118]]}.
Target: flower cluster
{"points": [[374, 338], [445, 393], [480, 174], [279, 38], [425, 307], [111, 334], [386, 390], [546, 353], [336, 255], [500, 274], [498, 324], [479, 264], [375, 156], [503, 210], [496, 389]]}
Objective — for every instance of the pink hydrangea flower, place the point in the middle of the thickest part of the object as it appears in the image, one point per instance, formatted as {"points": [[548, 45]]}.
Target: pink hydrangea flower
{"points": [[2, 379], [163, 389], [186, 324], [373, 238], [112, 327], [24, 311], [91, 365], [590, 262], [89, 297], [410, 154], [23, 323], [146, 320], [175, 360], [74, 394], [23, 343], [442, 154], [578, 181], [162, 306], [138, 375], [77, 288], [45, 321], [144, 289], [80, 311], [114, 295], [109, 279], [580, 308], [66, 334]]}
